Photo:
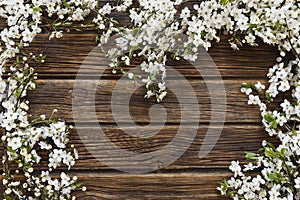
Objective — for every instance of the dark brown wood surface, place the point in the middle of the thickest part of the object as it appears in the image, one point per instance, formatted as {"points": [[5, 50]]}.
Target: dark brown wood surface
{"points": [[188, 177]]}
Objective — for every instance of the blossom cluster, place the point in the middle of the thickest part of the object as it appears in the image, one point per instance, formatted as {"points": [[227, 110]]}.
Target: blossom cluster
{"points": [[276, 23], [278, 165], [28, 142], [24, 137], [160, 31], [164, 30], [25, 20]]}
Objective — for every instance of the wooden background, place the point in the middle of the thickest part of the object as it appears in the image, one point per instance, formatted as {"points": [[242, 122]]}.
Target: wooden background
{"points": [[187, 178]]}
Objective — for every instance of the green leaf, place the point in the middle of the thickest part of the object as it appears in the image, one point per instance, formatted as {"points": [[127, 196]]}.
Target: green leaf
{"points": [[277, 177], [268, 97], [37, 9], [225, 186], [32, 23], [269, 152], [67, 23], [224, 2], [97, 38], [282, 152], [231, 193], [66, 4], [78, 184], [27, 166], [249, 85], [114, 21], [18, 161], [269, 118], [34, 158], [10, 149], [89, 25], [251, 156], [294, 133], [274, 125], [121, 28], [8, 197], [57, 24]]}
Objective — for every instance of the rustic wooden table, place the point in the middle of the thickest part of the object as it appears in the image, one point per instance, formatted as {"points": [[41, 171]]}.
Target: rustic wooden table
{"points": [[187, 178]]}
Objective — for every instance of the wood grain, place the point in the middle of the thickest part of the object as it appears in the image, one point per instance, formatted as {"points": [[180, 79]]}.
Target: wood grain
{"points": [[57, 94], [234, 141], [152, 186]]}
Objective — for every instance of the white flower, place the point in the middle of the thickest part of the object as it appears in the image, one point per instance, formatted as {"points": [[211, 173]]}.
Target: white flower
{"points": [[250, 38], [161, 86], [282, 74], [15, 143], [285, 105], [64, 179], [130, 75], [101, 26], [45, 176], [274, 192], [253, 99], [161, 96], [68, 160], [242, 22], [27, 35], [259, 86], [44, 145], [149, 94], [56, 157], [106, 9], [59, 34], [247, 91], [2, 86], [235, 168], [185, 13], [78, 15], [8, 191], [4, 181], [284, 86], [297, 183]]}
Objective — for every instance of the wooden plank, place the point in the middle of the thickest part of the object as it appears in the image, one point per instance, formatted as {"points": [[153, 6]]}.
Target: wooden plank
{"points": [[64, 57], [234, 141], [159, 186], [57, 94], [149, 186]]}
